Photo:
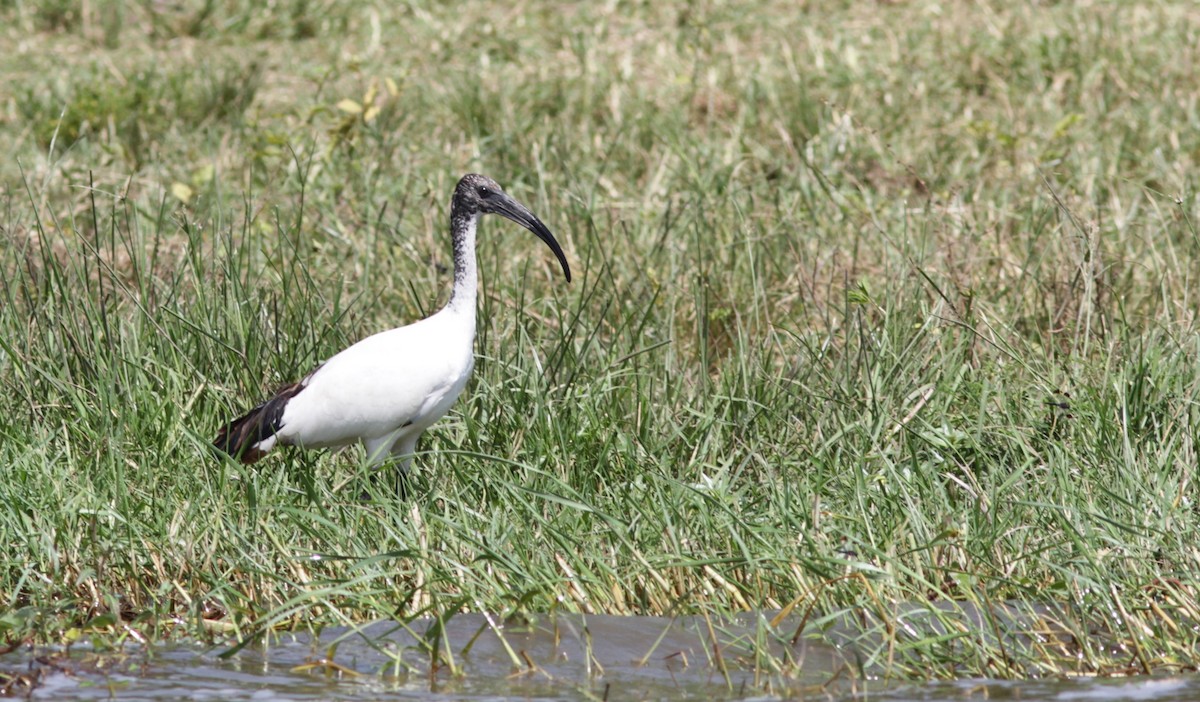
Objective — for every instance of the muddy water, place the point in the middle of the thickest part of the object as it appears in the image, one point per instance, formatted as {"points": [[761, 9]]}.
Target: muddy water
{"points": [[565, 657]]}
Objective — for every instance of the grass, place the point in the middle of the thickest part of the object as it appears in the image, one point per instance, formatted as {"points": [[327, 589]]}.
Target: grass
{"points": [[873, 307]]}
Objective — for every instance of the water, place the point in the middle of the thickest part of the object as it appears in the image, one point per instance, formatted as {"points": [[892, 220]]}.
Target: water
{"points": [[564, 657]]}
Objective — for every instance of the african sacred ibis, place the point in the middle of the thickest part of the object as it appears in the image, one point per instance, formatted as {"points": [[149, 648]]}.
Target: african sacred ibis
{"points": [[388, 388]]}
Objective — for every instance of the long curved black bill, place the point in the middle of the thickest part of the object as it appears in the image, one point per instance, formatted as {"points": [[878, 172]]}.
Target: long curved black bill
{"points": [[518, 213]]}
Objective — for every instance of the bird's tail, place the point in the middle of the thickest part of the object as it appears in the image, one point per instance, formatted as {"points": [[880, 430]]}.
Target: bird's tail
{"points": [[249, 437]]}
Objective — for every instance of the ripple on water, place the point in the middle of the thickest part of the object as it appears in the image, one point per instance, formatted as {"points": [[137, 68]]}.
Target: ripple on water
{"points": [[565, 657]]}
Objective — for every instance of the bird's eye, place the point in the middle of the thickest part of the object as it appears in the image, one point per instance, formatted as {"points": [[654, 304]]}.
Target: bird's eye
{"points": [[485, 193]]}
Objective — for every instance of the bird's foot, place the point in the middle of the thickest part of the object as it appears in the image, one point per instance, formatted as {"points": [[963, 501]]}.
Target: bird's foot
{"points": [[378, 486]]}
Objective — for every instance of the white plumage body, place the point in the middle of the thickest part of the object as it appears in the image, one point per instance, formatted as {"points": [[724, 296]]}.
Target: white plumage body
{"points": [[391, 384]]}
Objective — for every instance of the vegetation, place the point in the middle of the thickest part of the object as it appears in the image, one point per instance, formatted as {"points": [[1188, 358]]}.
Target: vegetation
{"points": [[876, 309]]}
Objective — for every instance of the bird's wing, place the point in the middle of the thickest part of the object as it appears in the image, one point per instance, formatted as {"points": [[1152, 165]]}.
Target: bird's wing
{"points": [[246, 437], [368, 390]]}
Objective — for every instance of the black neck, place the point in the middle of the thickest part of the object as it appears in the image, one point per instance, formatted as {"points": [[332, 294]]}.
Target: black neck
{"points": [[466, 278]]}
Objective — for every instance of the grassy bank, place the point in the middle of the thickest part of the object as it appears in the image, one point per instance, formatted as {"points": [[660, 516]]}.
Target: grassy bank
{"points": [[873, 306]]}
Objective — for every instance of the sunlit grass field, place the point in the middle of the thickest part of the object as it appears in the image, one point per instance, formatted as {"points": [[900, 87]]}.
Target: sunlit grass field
{"points": [[875, 304]]}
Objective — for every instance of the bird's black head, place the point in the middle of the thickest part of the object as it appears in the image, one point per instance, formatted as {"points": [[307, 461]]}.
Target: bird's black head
{"points": [[478, 194]]}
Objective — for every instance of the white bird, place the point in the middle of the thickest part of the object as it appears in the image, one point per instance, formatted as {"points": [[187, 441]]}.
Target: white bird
{"points": [[387, 389]]}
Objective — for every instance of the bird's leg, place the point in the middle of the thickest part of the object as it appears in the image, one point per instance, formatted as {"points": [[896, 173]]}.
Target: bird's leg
{"points": [[403, 450], [377, 451], [394, 447]]}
